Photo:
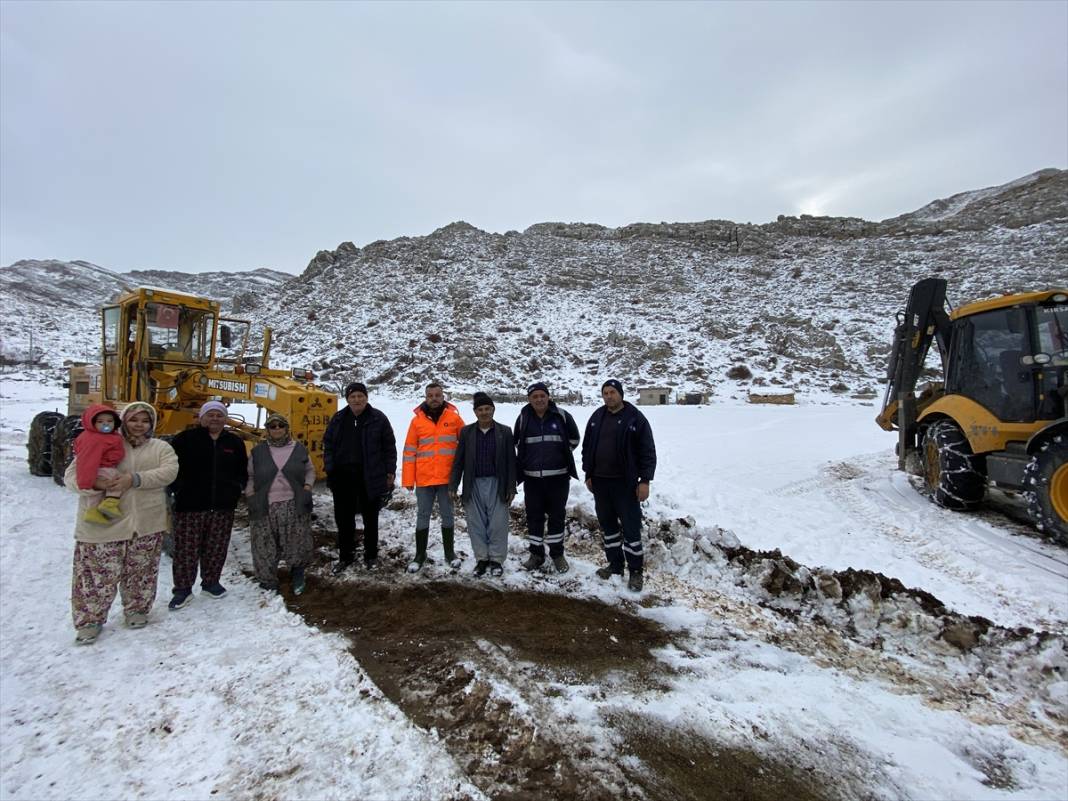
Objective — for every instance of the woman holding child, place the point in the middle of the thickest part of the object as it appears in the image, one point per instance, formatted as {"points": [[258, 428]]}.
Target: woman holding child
{"points": [[120, 553]]}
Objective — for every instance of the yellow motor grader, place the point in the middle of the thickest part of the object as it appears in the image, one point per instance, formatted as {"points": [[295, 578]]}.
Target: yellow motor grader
{"points": [[174, 351], [997, 417]]}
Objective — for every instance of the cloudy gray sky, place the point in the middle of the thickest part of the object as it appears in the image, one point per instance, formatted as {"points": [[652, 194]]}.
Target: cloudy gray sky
{"points": [[197, 136]]}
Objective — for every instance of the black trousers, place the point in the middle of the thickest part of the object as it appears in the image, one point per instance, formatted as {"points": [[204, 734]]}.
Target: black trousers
{"points": [[349, 489], [546, 498], [618, 511]]}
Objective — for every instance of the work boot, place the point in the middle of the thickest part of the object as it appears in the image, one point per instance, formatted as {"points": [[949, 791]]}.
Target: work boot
{"points": [[422, 537], [340, 566], [561, 564], [534, 561], [448, 541], [636, 582], [607, 572], [109, 507], [480, 568], [297, 580], [496, 569]]}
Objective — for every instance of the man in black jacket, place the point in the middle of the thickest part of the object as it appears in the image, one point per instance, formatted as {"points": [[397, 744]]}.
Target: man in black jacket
{"points": [[212, 471], [619, 460], [545, 435], [360, 458], [485, 460]]}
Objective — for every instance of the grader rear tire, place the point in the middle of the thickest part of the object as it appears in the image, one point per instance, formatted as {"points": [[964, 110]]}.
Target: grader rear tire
{"points": [[63, 445], [39, 442], [1046, 477], [954, 476]]}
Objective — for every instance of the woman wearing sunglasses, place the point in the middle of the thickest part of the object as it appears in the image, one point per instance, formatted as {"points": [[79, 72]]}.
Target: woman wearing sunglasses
{"points": [[280, 478]]}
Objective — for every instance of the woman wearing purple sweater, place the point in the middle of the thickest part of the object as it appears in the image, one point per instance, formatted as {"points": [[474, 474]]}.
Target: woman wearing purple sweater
{"points": [[280, 478]]}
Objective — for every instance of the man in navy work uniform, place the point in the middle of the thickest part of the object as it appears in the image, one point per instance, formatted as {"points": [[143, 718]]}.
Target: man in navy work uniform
{"points": [[545, 435], [619, 460]]}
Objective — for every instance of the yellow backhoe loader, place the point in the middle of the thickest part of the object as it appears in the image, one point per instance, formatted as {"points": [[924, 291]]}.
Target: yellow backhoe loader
{"points": [[174, 351], [998, 414]]}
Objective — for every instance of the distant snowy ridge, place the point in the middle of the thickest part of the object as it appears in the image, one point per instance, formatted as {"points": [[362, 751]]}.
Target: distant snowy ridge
{"points": [[715, 306]]}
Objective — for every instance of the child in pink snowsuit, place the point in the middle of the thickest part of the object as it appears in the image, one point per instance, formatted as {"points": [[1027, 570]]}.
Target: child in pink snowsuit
{"points": [[98, 451]]}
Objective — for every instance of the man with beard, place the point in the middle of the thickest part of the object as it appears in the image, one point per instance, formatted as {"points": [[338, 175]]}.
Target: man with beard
{"points": [[429, 451]]}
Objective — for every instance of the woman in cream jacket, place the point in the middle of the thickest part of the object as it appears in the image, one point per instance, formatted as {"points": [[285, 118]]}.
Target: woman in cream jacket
{"points": [[123, 555]]}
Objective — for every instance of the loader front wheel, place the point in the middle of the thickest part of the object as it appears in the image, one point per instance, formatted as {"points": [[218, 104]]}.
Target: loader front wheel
{"points": [[63, 445], [954, 476], [1046, 479], [39, 442]]}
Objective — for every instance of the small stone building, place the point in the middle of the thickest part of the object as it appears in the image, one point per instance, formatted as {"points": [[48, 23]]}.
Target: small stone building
{"points": [[654, 396]]}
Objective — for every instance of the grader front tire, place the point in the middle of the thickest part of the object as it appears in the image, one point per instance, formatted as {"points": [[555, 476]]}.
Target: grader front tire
{"points": [[39, 443]]}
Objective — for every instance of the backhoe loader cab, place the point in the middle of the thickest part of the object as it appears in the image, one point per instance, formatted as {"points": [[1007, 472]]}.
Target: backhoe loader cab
{"points": [[175, 351], [998, 416]]}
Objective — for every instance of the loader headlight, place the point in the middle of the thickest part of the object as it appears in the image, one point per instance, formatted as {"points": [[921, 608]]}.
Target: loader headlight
{"points": [[252, 369]]}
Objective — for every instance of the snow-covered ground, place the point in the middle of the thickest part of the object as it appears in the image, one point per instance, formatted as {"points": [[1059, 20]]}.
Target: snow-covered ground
{"points": [[241, 699]]}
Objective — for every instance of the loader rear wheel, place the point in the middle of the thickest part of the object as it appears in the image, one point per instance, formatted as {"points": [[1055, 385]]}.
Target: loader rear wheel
{"points": [[1046, 478], [63, 445], [39, 442], [955, 477]]}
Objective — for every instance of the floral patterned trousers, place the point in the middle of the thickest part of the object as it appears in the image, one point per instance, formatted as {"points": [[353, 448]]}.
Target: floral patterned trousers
{"points": [[130, 567], [283, 534]]}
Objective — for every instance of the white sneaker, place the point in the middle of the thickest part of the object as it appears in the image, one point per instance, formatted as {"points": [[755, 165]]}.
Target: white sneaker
{"points": [[415, 566]]}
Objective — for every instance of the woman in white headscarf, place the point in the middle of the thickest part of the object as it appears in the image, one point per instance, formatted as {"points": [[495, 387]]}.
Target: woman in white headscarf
{"points": [[123, 555]]}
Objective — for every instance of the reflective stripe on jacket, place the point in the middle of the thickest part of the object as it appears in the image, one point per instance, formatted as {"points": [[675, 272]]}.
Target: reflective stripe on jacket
{"points": [[429, 448]]}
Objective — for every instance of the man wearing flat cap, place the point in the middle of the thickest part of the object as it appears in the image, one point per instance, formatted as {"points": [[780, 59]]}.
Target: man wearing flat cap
{"points": [[360, 458], [212, 471], [545, 435], [619, 460]]}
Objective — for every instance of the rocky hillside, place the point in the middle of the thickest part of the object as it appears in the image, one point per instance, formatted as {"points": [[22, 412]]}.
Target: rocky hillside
{"points": [[714, 306]]}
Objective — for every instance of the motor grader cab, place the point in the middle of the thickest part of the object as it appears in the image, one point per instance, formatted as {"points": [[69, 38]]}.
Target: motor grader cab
{"points": [[998, 414], [173, 350]]}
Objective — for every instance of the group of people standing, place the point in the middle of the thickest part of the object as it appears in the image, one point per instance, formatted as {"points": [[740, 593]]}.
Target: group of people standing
{"points": [[122, 474], [481, 464]]}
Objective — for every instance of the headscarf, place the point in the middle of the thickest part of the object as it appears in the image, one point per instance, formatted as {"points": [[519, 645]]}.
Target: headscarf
{"points": [[275, 417], [218, 406], [138, 406]]}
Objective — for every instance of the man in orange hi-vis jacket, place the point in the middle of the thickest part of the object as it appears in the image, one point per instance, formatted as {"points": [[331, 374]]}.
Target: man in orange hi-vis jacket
{"points": [[429, 450]]}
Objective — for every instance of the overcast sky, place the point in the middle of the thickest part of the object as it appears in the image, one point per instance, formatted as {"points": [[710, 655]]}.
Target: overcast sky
{"points": [[234, 135]]}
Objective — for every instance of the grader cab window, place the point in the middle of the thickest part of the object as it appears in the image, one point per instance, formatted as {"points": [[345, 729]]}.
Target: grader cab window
{"points": [[986, 366], [178, 333], [232, 340]]}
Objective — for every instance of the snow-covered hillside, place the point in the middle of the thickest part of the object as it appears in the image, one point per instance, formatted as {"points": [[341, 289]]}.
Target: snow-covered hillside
{"points": [[714, 307]]}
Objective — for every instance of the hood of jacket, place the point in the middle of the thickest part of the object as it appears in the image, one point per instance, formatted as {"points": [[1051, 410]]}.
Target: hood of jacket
{"points": [[93, 410]]}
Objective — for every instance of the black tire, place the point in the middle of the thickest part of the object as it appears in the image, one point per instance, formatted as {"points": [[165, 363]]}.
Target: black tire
{"points": [[954, 476], [39, 442], [63, 445], [1046, 477]]}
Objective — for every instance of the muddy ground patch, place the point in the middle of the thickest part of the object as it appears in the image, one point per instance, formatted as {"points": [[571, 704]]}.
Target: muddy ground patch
{"points": [[489, 669]]}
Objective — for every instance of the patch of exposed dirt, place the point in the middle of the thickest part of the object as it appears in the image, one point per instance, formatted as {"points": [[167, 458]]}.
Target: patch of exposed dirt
{"points": [[688, 767], [486, 669]]}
